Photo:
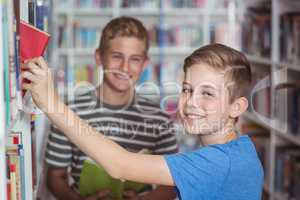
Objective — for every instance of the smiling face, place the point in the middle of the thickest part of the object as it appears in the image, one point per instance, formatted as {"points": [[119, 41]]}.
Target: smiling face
{"points": [[123, 63], [204, 103]]}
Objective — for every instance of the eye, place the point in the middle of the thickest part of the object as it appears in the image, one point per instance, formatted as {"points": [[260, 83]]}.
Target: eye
{"points": [[136, 60], [207, 94], [116, 56], [187, 90]]}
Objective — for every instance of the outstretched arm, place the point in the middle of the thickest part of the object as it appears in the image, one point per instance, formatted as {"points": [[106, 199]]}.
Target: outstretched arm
{"points": [[118, 162]]}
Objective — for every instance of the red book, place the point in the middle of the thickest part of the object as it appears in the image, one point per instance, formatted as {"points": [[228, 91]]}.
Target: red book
{"points": [[33, 41]]}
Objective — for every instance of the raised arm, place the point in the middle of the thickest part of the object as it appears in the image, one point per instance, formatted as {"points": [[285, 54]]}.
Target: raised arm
{"points": [[118, 162]]}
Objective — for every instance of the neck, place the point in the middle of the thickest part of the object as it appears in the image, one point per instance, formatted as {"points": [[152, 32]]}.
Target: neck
{"points": [[220, 137], [112, 97]]}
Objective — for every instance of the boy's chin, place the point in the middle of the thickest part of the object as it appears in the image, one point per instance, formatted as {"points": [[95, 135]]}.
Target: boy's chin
{"points": [[194, 131]]}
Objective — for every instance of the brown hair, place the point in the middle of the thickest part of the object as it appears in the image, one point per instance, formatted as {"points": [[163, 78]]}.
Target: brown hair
{"points": [[222, 57], [123, 27]]}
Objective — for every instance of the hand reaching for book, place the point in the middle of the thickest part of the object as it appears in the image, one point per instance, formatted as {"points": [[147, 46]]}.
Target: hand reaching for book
{"points": [[41, 85]]}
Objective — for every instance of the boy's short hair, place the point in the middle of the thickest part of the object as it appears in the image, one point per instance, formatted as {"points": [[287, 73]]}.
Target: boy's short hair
{"points": [[123, 27], [233, 62]]}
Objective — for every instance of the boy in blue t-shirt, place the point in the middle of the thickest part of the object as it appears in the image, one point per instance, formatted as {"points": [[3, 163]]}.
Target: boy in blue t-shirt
{"points": [[213, 97]]}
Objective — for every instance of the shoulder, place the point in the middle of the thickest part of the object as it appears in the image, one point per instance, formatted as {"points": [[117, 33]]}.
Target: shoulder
{"points": [[210, 157], [199, 174]]}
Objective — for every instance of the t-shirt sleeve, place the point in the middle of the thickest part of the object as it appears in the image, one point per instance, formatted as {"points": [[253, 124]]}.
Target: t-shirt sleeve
{"points": [[199, 174], [59, 149]]}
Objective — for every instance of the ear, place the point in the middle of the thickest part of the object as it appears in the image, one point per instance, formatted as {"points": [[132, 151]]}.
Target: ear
{"points": [[97, 56], [238, 107]]}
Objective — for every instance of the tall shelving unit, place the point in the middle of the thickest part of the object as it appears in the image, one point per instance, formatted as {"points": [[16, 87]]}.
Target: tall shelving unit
{"points": [[16, 120], [2, 119], [277, 123]]}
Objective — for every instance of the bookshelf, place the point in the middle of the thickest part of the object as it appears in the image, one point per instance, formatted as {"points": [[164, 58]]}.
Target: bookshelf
{"points": [[2, 118], [279, 60], [18, 139]]}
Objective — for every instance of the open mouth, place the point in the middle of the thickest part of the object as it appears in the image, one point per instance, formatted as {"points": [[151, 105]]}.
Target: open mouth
{"points": [[122, 76], [193, 116]]}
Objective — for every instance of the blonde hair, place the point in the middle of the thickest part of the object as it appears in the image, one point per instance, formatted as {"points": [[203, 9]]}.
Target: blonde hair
{"points": [[221, 57], [123, 27]]}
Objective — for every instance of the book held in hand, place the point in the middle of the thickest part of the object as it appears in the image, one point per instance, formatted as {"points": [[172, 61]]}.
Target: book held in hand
{"points": [[94, 178], [33, 41]]}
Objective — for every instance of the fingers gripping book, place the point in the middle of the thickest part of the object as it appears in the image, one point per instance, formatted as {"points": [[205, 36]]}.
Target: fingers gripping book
{"points": [[94, 178]]}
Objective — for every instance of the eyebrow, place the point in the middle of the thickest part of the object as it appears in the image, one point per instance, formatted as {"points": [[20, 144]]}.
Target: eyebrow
{"points": [[208, 87], [184, 83], [134, 55], [204, 85]]}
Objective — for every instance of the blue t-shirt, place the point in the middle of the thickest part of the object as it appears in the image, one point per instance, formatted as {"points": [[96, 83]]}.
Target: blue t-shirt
{"points": [[230, 171]]}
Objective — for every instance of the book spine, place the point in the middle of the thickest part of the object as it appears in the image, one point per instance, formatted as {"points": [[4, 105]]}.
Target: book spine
{"points": [[6, 63], [13, 182], [31, 12]]}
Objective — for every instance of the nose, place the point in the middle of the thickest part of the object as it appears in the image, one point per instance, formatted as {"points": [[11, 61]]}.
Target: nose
{"points": [[125, 65], [192, 100]]}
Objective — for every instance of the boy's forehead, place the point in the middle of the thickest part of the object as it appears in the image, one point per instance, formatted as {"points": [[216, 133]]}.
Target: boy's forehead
{"points": [[203, 74], [127, 44]]}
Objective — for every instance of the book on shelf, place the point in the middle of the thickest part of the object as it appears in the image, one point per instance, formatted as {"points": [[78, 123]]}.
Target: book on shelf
{"points": [[256, 32], [185, 4], [290, 37], [33, 41], [16, 169], [261, 99], [261, 140], [94, 178], [225, 34], [17, 132], [145, 4], [287, 171], [93, 4], [288, 94]]}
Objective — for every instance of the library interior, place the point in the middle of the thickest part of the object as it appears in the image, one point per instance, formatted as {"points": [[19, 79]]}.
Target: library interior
{"points": [[77, 38]]}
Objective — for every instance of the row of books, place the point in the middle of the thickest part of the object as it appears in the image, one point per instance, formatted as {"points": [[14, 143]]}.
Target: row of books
{"points": [[290, 37], [87, 36], [165, 76], [288, 94], [287, 102], [93, 3], [13, 97], [21, 41], [15, 167], [15, 163], [181, 36], [262, 145], [287, 161], [260, 93], [224, 33], [256, 32], [147, 4], [287, 172]]}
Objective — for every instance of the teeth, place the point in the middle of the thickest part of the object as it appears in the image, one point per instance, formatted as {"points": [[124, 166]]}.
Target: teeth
{"points": [[193, 116], [125, 77]]}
